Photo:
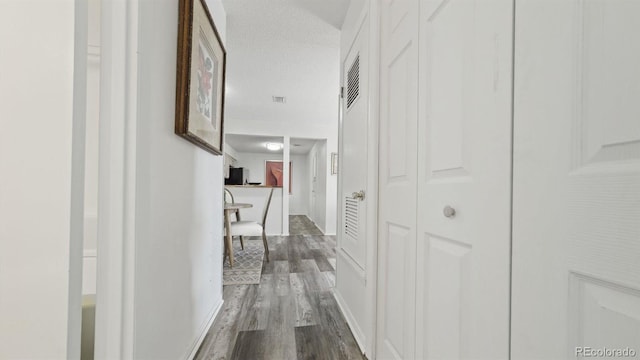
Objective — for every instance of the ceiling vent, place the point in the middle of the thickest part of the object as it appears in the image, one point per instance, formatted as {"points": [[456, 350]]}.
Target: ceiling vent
{"points": [[353, 82], [279, 99]]}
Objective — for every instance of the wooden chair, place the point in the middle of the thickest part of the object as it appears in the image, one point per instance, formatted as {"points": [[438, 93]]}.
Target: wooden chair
{"points": [[254, 228], [228, 199]]}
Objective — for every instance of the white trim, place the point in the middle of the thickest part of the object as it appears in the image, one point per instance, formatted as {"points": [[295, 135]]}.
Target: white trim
{"points": [[358, 334], [117, 179], [286, 187], [78, 141], [205, 330], [372, 182]]}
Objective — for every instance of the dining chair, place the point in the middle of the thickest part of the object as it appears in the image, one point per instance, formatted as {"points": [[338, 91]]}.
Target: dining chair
{"points": [[228, 199], [254, 228]]}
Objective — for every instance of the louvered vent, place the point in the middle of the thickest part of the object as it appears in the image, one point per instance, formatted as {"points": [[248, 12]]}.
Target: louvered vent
{"points": [[351, 217], [353, 82]]}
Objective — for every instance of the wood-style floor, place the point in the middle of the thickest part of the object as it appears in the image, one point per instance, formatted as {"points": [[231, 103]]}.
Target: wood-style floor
{"points": [[302, 225], [291, 314]]}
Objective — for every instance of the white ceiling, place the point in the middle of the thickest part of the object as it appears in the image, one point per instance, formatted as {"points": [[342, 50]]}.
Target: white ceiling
{"points": [[302, 146], [256, 144], [287, 48]]}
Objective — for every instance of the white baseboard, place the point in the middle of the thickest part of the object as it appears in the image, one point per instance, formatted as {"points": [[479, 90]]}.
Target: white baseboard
{"points": [[358, 334], [205, 331]]}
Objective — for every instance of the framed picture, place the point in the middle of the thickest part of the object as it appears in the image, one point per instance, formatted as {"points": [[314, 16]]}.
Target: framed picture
{"points": [[200, 77], [334, 163], [274, 172]]}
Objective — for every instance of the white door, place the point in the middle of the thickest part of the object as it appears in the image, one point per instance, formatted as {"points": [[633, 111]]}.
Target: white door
{"points": [[464, 179], [397, 179], [576, 225], [351, 287], [354, 150]]}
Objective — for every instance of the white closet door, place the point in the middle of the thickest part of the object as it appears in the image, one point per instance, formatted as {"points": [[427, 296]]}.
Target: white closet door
{"points": [[464, 166], [351, 286], [576, 251], [397, 179]]}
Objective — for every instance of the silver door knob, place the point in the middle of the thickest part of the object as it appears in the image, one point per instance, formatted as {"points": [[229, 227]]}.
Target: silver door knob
{"points": [[449, 212], [359, 195]]}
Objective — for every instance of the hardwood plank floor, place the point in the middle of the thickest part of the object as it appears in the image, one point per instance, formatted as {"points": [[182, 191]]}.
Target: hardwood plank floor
{"points": [[302, 225], [291, 314]]}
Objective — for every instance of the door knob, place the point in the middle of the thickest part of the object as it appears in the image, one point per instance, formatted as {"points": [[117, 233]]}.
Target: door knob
{"points": [[449, 212], [358, 195]]}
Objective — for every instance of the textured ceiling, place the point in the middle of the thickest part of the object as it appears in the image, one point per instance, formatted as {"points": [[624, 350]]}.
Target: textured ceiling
{"points": [[287, 48]]}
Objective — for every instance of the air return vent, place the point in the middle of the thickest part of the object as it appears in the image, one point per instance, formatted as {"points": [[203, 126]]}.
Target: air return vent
{"points": [[279, 99], [351, 217], [353, 82]]}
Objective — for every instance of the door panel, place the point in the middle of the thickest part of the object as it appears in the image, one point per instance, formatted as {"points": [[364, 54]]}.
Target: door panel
{"points": [[397, 180], [464, 164], [576, 178], [354, 149], [394, 301]]}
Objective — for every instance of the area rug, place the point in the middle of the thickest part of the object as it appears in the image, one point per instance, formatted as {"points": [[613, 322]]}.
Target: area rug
{"points": [[247, 264]]}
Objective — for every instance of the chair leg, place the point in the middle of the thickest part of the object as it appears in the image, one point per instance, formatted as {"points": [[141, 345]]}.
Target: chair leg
{"points": [[241, 237], [266, 246]]}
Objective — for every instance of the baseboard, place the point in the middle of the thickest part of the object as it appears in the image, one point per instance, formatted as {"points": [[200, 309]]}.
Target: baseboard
{"points": [[318, 226], [358, 334], [205, 331]]}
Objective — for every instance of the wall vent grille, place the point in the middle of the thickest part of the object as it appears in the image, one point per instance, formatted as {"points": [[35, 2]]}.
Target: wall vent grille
{"points": [[351, 217], [353, 82]]}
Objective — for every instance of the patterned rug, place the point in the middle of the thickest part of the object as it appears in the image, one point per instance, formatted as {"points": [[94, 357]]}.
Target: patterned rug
{"points": [[247, 264]]}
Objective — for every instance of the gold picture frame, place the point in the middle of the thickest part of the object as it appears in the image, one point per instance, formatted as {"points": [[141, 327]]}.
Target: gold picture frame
{"points": [[200, 78]]}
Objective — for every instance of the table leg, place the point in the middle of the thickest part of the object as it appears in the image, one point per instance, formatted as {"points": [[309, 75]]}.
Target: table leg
{"points": [[228, 238]]}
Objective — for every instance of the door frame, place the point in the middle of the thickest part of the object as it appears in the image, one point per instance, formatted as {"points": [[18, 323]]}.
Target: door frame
{"points": [[115, 273]]}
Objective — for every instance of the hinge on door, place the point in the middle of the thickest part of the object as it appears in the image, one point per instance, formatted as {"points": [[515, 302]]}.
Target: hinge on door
{"points": [[342, 92]]}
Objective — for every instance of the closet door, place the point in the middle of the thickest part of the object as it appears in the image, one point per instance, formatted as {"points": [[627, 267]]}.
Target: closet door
{"points": [[576, 250], [464, 179], [397, 179]]}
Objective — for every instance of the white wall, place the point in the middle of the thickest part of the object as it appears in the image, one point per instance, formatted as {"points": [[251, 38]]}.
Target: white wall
{"points": [[179, 199], [301, 185], [42, 90]]}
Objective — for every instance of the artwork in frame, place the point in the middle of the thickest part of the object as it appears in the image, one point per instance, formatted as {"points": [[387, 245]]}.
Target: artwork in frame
{"points": [[273, 173], [200, 77]]}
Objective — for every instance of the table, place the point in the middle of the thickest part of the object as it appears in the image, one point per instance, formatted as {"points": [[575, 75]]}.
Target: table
{"points": [[228, 209]]}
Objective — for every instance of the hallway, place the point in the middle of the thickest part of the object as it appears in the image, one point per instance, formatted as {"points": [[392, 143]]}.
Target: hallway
{"points": [[302, 225], [291, 314]]}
